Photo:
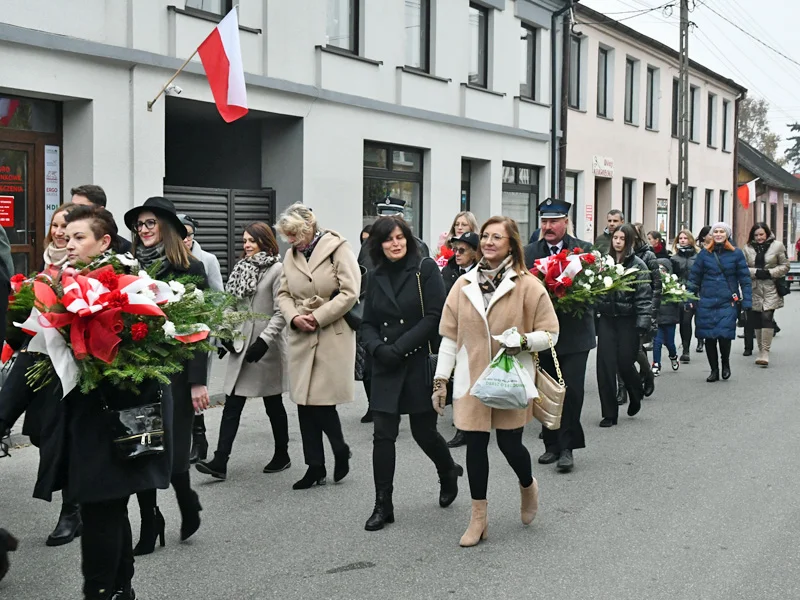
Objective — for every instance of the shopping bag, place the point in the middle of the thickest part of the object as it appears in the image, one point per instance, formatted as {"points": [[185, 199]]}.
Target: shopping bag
{"points": [[504, 384]]}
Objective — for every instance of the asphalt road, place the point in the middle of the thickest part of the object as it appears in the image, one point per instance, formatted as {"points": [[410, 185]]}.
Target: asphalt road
{"points": [[694, 498]]}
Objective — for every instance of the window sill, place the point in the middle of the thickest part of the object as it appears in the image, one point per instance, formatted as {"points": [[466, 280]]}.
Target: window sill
{"points": [[605, 118], [477, 88], [651, 129], [531, 101], [631, 124], [206, 16], [415, 71], [348, 54], [727, 151], [712, 146], [576, 109], [694, 142]]}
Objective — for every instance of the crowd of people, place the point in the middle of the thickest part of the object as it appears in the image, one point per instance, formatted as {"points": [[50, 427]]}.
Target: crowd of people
{"points": [[417, 331]]}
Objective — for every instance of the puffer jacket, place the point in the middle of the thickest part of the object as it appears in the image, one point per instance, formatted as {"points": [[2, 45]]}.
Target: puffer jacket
{"points": [[682, 262], [765, 294], [669, 313], [636, 303], [648, 257]]}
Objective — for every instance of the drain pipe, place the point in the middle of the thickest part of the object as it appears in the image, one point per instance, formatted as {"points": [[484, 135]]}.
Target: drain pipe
{"points": [[553, 101]]}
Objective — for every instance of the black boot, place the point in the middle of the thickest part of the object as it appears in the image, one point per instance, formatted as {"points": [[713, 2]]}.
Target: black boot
{"points": [[126, 593], [152, 528], [341, 466], [188, 503], [315, 475], [448, 485], [199, 442], [726, 370], [714, 376], [622, 394], [8, 543], [459, 439], [383, 512], [648, 383], [280, 462], [69, 525], [367, 418], [700, 345], [217, 467]]}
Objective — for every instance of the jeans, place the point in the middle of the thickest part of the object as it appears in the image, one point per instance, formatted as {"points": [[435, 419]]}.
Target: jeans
{"points": [[664, 336], [106, 547], [510, 443]]}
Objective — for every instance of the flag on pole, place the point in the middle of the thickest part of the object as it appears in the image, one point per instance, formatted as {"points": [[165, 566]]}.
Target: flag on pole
{"points": [[747, 193], [221, 55], [7, 109]]}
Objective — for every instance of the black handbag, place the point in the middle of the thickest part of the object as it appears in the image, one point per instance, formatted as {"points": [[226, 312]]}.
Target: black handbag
{"points": [[137, 431], [783, 287], [433, 359], [355, 315]]}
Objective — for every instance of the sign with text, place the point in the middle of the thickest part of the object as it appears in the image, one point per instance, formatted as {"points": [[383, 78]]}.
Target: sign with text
{"points": [[773, 196], [602, 166], [52, 183], [7, 211], [588, 216]]}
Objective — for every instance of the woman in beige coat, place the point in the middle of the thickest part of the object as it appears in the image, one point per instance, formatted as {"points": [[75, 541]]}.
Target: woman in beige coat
{"points": [[256, 363], [320, 284], [767, 260], [489, 300]]}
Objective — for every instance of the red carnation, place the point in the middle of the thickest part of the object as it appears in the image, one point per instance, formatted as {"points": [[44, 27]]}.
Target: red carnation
{"points": [[116, 299], [590, 259], [576, 251], [567, 282], [11, 298], [109, 279], [18, 278], [139, 331]]}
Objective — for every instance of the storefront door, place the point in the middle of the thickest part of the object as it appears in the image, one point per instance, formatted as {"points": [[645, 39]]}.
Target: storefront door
{"points": [[17, 193]]}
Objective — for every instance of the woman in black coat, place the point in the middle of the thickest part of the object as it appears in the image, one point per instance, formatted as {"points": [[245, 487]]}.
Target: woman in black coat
{"points": [[684, 253], [399, 334], [158, 240]]}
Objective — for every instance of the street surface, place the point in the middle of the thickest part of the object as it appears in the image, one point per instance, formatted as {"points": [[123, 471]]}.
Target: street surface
{"points": [[694, 498]]}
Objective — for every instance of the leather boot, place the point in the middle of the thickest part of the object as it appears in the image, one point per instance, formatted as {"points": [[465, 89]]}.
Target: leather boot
{"points": [[529, 504], [69, 525], [188, 503], [383, 512], [217, 467], [448, 485], [764, 345], [152, 528], [459, 439], [199, 449], [478, 528], [622, 393], [750, 342], [315, 475]]}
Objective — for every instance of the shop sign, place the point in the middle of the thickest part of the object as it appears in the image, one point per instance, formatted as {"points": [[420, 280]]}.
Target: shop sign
{"points": [[773, 196], [602, 166], [52, 183]]}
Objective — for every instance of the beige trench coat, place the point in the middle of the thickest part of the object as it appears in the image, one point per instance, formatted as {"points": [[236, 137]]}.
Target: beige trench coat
{"points": [[321, 363], [765, 295], [266, 377], [521, 302]]}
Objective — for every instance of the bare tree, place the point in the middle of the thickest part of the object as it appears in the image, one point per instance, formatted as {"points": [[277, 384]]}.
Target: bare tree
{"points": [[754, 128]]}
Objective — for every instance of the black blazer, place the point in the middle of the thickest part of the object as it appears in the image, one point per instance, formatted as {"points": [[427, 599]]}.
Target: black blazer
{"points": [[395, 320], [575, 334]]}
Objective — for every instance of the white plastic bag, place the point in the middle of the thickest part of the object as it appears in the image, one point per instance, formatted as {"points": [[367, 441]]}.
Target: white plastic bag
{"points": [[505, 384]]}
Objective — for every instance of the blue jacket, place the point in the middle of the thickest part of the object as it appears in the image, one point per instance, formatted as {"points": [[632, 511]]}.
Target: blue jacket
{"points": [[716, 314]]}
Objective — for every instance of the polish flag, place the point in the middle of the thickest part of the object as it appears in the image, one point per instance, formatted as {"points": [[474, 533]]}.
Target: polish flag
{"points": [[747, 193], [7, 109], [221, 55]]}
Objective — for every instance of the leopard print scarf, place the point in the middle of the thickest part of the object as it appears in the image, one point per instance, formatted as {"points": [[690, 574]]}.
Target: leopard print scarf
{"points": [[243, 280]]}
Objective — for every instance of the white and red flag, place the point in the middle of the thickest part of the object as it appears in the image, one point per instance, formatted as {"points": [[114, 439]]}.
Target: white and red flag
{"points": [[221, 55], [8, 107], [747, 193]]}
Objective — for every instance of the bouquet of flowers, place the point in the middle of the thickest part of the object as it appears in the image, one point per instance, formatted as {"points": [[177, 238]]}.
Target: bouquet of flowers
{"points": [[673, 291], [445, 253], [577, 280], [101, 323]]}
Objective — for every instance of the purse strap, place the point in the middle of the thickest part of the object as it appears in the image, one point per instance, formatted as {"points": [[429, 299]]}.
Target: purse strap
{"points": [[725, 275], [422, 304], [555, 359]]}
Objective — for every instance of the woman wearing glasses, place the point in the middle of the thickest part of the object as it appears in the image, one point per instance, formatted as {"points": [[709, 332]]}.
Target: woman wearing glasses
{"points": [[158, 245]]}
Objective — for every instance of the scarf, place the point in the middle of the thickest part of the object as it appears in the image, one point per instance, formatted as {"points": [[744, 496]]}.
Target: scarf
{"points": [[658, 248], [309, 248], [761, 253], [54, 256], [149, 256], [243, 280], [489, 279]]}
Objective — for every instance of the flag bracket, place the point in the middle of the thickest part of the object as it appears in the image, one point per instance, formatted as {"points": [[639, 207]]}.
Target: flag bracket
{"points": [[152, 102]]}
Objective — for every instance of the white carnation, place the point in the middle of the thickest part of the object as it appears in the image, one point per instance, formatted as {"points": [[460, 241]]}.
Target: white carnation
{"points": [[198, 293], [608, 282], [674, 277], [620, 269], [177, 288], [169, 328], [587, 286], [128, 260]]}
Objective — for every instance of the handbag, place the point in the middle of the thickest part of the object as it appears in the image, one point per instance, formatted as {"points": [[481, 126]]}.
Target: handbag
{"points": [[137, 431], [433, 359], [549, 404], [783, 287], [355, 315]]}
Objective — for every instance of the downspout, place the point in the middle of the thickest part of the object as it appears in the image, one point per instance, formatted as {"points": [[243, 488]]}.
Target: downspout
{"points": [[554, 178], [562, 147], [735, 188]]}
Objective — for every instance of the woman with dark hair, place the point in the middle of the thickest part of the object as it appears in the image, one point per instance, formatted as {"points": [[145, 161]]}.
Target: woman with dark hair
{"points": [[684, 253], [655, 240], [494, 298], [644, 251], [402, 309], [624, 318], [158, 245], [701, 237], [366, 379], [767, 261], [365, 233], [256, 364]]}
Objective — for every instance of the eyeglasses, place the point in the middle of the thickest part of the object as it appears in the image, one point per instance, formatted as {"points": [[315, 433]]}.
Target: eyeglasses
{"points": [[462, 250], [189, 236], [495, 237], [149, 224]]}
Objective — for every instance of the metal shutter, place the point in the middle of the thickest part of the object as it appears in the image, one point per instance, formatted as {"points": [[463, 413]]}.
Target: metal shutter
{"points": [[250, 206]]}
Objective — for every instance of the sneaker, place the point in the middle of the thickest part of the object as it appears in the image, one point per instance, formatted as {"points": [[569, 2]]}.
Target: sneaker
{"points": [[656, 369], [674, 362]]}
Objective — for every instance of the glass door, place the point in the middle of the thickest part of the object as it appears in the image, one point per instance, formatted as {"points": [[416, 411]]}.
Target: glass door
{"points": [[17, 194]]}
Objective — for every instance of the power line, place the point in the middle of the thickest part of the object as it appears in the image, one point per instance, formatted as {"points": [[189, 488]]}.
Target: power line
{"points": [[642, 12]]}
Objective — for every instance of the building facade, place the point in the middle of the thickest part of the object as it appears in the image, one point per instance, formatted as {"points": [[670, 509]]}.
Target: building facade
{"points": [[444, 103], [622, 135]]}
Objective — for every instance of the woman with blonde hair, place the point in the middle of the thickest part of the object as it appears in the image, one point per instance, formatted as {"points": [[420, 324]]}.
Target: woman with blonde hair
{"points": [[684, 253], [496, 296], [55, 244], [320, 283], [464, 221]]}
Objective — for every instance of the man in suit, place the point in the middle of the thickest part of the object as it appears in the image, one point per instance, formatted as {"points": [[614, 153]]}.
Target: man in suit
{"points": [[575, 339]]}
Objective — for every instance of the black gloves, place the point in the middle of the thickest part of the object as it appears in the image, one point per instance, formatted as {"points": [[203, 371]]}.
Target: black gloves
{"points": [[221, 352], [763, 274], [387, 355], [256, 351]]}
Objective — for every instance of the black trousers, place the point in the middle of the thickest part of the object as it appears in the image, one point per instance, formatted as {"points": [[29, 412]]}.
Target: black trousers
{"points": [[425, 434], [573, 368], [685, 328], [314, 421], [617, 349], [510, 444], [232, 414], [757, 320], [106, 547], [724, 350]]}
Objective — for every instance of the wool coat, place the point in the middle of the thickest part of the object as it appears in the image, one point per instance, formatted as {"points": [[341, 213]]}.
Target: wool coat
{"points": [[716, 314], [211, 265], [519, 301], [393, 317], [268, 376], [321, 363], [765, 294]]}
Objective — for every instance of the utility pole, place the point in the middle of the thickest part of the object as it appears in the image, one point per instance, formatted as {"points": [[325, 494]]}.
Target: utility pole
{"points": [[683, 118]]}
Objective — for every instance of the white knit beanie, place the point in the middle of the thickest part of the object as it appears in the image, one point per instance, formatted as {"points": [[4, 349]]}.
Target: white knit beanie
{"points": [[722, 225]]}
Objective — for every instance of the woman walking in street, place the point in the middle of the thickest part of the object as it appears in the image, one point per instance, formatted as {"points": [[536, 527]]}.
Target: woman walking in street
{"points": [[497, 295], [656, 241], [256, 364], [684, 253], [644, 251], [721, 279], [320, 284], [401, 320], [703, 238], [767, 261], [669, 314], [158, 244]]}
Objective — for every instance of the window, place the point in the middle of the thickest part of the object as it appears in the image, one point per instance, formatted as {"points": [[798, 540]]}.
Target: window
{"points": [[627, 199], [602, 82], [675, 107], [726, 111], [527, 80], [690, 208], [711, 122], [342, 25], [674, 209], [218, 7], [575, 72], [466, 183], [631, 91], [571, 194], [723, 196], [652, 97], [709, 206], [694, 112], [478, 46], [418, 34], [520, 196], [394, 171]]}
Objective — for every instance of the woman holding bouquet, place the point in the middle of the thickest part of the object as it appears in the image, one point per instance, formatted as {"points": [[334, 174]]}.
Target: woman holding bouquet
{"points": [[684, 253], [158, 245]]}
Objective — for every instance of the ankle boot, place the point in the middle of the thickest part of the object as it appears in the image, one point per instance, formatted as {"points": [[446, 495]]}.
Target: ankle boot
{"points": [[280, 462], [341, 465], [448, 485], [8, 543], [315, 475], [726, 370], [69, 525], [152, 528], [478, 527], [188, 503], [217, 467], [126, 593], [764, 345], [383, 512], [529, 504], [199, 442]]}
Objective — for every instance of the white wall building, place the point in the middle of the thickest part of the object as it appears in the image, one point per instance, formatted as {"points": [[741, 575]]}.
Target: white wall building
{"points": [[444, 103], [622, 131]]}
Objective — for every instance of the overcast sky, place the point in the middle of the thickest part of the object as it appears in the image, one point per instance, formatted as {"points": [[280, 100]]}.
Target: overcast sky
{"points": [[721, 47]]}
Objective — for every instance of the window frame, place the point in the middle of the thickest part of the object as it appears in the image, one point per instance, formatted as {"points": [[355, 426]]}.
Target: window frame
{"points": [[628, 186], [723, 196], [530, 57], [630, 85], [604, 54], [690, 211], [483, 41], [532, 189], [711, 121], [650, 113], [225, 6], [576, 53], [726, 105], [676, 117], [694, 112], [424, 38], [355, 24], [709, 205], [390, 174]]}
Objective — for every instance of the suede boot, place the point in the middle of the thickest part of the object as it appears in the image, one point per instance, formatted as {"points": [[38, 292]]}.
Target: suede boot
{"points": [[478, 527], [764, 345], [529, 504]]}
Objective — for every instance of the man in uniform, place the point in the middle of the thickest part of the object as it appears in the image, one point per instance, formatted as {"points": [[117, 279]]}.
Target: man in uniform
{"points": [[575, 339]]}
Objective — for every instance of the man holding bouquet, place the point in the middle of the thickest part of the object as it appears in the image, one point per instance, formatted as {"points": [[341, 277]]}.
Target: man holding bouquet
{"points": [[576, 339]]}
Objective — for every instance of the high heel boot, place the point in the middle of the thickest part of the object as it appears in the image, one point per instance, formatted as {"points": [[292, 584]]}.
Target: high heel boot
{"points": [[69, 525], [529, 503], [383, 512], [315, 475], [478, 528], [152, 528], [199, 449], [188, 503]]}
